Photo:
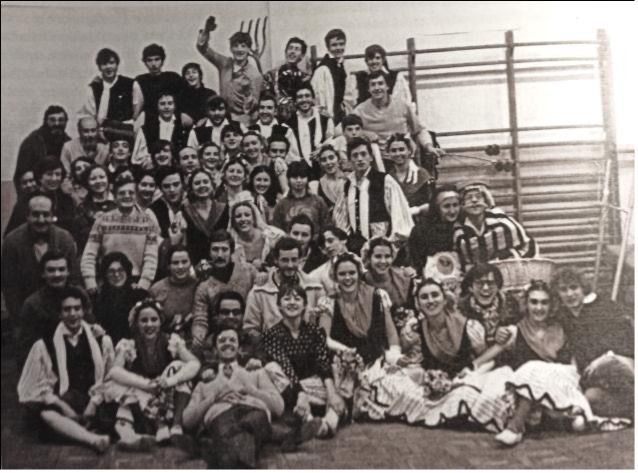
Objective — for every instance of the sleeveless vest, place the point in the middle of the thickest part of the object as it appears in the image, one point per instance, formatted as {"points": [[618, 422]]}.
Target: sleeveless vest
{"points": [[376, 204], [120, 98]]}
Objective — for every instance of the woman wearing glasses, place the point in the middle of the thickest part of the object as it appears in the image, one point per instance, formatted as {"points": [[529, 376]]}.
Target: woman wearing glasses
{"points": [[482, 299]]}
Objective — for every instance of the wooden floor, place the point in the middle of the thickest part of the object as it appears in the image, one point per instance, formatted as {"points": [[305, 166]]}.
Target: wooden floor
{"points": [[356, 446]]}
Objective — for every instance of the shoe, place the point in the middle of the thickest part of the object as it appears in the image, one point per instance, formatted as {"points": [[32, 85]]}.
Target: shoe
{"points": [[509, 438], [102, 444], [142, 443], [186, 443], [309, 430], [163, 435]]}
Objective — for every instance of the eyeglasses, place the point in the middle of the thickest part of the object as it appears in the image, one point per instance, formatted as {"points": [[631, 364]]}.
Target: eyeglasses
{"points": [[235, 312], [480, 283]]}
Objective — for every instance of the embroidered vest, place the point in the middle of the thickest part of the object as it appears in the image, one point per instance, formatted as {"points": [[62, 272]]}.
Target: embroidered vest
{"points": [[376, 203]]}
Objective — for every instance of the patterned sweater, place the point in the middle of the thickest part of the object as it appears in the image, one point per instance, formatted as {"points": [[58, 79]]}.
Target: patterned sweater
{"points": [[135, 235]]}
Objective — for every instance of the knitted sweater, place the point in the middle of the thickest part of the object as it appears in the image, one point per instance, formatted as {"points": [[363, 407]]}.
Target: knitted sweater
{"points": [[134, 235]]}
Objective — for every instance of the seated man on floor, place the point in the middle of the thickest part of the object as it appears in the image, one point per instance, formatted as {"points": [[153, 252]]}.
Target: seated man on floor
{"points": [[63, 375], [232, 413]]}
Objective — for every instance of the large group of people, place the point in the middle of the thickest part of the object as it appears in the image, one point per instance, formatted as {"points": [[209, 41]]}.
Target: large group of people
{"points": [[268, 263]]}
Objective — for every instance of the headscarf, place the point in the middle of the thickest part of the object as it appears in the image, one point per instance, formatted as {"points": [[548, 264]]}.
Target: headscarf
{"points": [[484, 189]]}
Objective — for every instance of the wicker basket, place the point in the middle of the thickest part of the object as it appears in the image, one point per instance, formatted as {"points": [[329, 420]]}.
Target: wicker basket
{"points": [[517, 273]]}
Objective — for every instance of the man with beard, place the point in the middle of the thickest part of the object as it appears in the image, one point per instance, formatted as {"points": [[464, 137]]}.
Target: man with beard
{"points": [[211, 128], [240, 80], [283, 82], [45, 141], [85, 145], [311, 129], [40, 312], [24, 248], [224, 275], [262, 311]]}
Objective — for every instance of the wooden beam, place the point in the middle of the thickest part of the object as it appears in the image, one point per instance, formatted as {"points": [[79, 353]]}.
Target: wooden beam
{"points": [[411, 45], [513, 117]]}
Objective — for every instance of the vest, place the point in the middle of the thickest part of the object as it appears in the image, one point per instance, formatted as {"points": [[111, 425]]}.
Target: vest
{"points": [[120, 98], [160, 209], [179, 137], [339, 81], [374, 344], [152, 86], [277, 129], [362, 84], [293, 123], [376, 204], [205, 133], [79, 363]]}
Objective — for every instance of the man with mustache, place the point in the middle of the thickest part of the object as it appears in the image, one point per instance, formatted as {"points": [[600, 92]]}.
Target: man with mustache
{"points": [[85, 145], [45, 141], [262, 311], [224, 275]]}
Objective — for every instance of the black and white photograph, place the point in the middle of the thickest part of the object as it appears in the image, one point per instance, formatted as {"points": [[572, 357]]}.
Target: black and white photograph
{"points": [[318, 235]]}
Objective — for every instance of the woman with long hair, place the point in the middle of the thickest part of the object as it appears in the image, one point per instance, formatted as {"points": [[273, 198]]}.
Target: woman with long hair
{"points": [[254, 238], [150, 380], [262, 183]]}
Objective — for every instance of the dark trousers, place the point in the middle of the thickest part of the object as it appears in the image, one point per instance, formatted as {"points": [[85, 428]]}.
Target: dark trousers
{"points": [[235, 438]]}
